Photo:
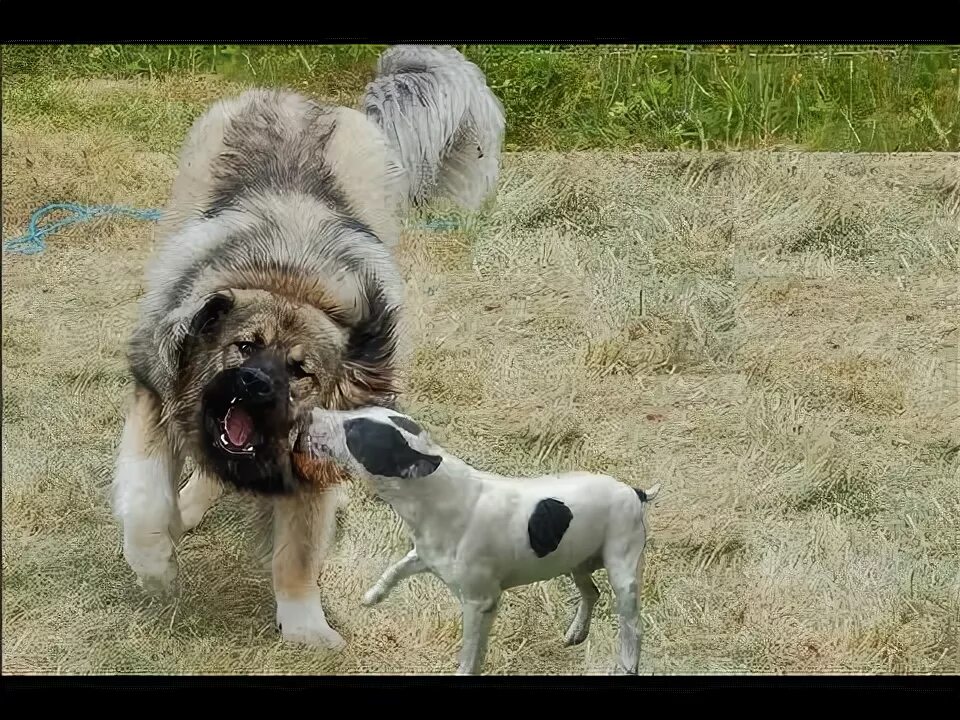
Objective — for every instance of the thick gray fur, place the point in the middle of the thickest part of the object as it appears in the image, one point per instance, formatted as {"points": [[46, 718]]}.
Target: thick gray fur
{"points": [[441, 119]]}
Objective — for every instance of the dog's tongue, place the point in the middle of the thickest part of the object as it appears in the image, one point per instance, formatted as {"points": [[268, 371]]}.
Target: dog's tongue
{"points": [[238, 425]]}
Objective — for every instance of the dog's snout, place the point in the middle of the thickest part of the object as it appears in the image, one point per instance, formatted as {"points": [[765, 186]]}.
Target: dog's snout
{"points": [[255, 383]]}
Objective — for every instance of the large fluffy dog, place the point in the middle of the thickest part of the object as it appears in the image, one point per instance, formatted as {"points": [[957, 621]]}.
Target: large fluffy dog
{"points": [[273, 291]]}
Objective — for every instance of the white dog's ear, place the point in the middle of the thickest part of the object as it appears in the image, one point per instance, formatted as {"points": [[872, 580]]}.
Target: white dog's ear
{"points": [[189, 322], [382, 450]]}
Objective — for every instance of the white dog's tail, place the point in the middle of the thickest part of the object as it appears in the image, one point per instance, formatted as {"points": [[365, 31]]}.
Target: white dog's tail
{"points": [[647, 495], [441, 119]]}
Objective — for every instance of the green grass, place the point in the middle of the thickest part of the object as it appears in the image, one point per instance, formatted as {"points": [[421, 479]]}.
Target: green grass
{"points": [[830, 98]]}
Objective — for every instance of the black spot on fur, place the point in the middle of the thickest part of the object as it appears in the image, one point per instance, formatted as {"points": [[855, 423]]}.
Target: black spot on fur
{"points": [[547, 525], [382, 450], [406, 424], [640, 494]]}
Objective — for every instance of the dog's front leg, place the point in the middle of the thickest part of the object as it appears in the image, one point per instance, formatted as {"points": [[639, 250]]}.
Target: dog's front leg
{"points": [[304, 525], [478, 616], [145, 495], [197, 496], [411, 564]]}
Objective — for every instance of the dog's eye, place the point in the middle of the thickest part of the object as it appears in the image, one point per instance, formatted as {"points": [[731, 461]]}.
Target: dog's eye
{"points": [[246, 349]]}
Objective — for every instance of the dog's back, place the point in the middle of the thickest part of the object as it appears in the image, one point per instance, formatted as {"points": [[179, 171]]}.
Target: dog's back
{"points": [[250, 149]]}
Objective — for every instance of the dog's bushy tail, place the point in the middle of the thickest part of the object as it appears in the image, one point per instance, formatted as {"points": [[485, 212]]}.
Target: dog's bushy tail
{"points": [[443, 122]]}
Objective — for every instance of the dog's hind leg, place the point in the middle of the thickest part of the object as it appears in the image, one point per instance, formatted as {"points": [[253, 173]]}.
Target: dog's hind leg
{"points": [[478, 616], [145, 499], [304, 525], [625, 569], [580, 626], [197, 496], [411, 564]]}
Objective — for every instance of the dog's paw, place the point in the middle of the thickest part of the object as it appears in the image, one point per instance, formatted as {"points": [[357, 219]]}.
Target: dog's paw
{"points": [[304, 622], [164, 586], [576, 634], [372, 597], [156, 569]]}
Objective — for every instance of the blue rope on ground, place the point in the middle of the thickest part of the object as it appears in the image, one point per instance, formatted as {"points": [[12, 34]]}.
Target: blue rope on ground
{"points": [[441, 224], [32, 242]]}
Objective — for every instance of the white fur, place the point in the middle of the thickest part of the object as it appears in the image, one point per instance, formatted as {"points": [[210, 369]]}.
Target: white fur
{"points": [[302, 620], [448, 140], [196, 497], [470, 528], [145, 503]]}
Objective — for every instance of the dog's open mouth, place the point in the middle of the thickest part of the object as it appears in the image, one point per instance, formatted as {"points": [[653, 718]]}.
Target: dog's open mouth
{"points": [[238, 434]]}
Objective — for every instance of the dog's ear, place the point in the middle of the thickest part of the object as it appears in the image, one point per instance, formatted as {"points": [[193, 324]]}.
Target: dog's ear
{"points": [[420, 466], [190, 322], [368, 377], [210, 313], [382, 450], [405, 423]]}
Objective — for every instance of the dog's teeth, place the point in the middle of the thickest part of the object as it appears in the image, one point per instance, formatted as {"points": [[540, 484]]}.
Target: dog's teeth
{"points": [[223, 439]]}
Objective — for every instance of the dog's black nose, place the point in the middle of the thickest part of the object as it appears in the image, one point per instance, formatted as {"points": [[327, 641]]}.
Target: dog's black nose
{"points": [[254, 384]]}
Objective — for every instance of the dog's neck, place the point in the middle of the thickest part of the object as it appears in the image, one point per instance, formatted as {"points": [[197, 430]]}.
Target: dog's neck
{"points": [[436, 508]]}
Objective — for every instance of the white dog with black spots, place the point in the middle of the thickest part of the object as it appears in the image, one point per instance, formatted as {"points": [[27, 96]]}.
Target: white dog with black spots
{"points": [[483, 533]]}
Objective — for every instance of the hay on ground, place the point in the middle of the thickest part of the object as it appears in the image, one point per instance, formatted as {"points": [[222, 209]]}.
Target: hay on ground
{"points": [[773, 337]]}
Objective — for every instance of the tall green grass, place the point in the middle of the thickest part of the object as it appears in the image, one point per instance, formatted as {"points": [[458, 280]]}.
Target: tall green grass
{"points": [[838, 98]]}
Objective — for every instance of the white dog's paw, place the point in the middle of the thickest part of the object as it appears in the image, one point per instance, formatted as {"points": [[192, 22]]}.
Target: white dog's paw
{"points": [[576, 634], [156, 568], [372, 596], [304, 622]]}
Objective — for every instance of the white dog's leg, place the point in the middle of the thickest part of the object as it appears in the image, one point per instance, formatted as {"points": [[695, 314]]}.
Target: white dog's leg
{"points": [[198, 496], [478, 616], [411, 564], [304, 525], [580, 627], [145, 496], [625, 577]]}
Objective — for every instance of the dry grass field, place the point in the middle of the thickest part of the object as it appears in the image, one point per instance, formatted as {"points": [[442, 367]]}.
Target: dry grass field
{"points": [[772, 336]]}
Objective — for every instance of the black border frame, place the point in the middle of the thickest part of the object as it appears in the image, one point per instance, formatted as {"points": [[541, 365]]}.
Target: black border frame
{"points": [[81, 24], [299, 24]]}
